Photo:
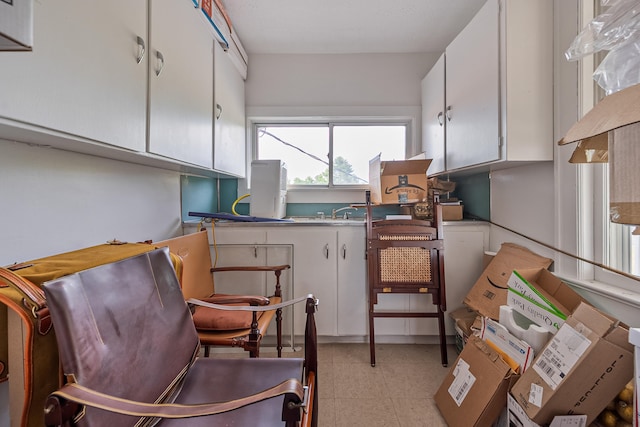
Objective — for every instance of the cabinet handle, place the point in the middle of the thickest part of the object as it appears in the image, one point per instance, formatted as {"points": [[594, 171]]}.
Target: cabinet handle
{"points": [[344, 251], [326, 251], [449, 113], [142, 48], [218, 111], [160, 57], [440, 121], [255, 252]]}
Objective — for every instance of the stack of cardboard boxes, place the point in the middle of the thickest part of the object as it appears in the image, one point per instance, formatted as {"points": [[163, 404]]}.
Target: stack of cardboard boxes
{"points": [[533, 351], [583, 357]]}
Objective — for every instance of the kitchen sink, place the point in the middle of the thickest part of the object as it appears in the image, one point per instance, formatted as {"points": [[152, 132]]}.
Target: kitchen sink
{"points": [[318, 220]]}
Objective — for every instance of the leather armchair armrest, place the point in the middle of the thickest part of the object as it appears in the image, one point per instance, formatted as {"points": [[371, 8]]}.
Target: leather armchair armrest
{"points": [[237, 299], [274, 268]]}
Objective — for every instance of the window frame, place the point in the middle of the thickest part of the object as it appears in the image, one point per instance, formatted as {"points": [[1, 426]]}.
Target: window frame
{"points": [[330, 122], [594, 239]]}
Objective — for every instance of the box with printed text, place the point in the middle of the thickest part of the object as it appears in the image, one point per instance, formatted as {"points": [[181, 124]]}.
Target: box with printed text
{"points": [[579, 371], [474, 392], [397, 182]]}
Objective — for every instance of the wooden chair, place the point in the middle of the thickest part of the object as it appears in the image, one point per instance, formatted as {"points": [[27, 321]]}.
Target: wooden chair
{"points": [[129, 351], [406, 256], [220, 327]]}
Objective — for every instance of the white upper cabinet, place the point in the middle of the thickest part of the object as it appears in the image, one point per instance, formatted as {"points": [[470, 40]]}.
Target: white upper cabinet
{"points": [[83, 78], [473, 91], [433, 116], [180, 83], [230, 130], [498, 106]]}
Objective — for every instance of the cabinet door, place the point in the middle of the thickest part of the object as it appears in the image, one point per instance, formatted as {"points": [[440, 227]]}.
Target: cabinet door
{"points": [[230, 132], [314, 272], [352, 286], [180, 83], [433, 116], [472, 89], [82, 78], [254, 282]]}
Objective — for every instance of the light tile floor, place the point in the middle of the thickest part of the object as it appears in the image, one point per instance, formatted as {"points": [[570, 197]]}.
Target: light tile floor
{"points": [[397, 392]]}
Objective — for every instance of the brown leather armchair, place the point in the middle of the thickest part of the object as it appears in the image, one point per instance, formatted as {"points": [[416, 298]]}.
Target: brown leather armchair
{"points": [[219, 327], [129, 351]]}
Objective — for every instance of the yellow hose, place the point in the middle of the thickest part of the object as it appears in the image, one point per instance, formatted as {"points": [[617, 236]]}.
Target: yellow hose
{"points": [[233, 206]]}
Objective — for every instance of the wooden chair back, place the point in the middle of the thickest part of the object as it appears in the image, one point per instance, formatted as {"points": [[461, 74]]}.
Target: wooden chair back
{"points": [[193, 249]]}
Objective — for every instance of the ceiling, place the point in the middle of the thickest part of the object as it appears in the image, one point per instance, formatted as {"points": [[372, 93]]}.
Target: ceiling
{"points": [[348, 26]]}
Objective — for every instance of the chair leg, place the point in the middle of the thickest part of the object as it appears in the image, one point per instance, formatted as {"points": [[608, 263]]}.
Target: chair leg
{"points": [[372, 340], [206, 351], [443, 338], [253, 345], [279, 331]]}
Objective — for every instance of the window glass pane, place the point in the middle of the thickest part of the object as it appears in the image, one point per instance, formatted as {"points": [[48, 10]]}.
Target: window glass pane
{"points": [[354, 146], [304, 149], [624, 248]]}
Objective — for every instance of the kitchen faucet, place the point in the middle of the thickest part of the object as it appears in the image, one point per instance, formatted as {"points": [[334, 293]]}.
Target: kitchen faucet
{"points": [[346, 214]]}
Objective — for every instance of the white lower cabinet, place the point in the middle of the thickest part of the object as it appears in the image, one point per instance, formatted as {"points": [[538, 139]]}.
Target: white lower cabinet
{"points": [[329, 262], [314, 272], [352, 284]]}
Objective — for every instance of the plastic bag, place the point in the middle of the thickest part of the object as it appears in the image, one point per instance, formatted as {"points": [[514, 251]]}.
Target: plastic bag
{"points": [[616, 30], [607, 31], [619, 69]]}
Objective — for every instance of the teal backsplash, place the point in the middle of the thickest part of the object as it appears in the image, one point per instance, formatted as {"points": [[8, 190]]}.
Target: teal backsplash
{"points": [[201, 195]]}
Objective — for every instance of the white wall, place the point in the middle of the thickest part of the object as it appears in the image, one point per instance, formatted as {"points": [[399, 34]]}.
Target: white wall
{"points": [[54, 201], [368, 80]]}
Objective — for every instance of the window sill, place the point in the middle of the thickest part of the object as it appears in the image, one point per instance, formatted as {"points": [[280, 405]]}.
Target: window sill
{"points": [[616, 293]]}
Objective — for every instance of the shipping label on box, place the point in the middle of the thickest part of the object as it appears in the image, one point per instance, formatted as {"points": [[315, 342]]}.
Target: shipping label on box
{"points": [[561, 355]]}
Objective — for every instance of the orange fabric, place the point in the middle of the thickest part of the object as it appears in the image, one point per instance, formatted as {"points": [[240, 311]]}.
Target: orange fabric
{"points": [[210, 319], [52, 267]]}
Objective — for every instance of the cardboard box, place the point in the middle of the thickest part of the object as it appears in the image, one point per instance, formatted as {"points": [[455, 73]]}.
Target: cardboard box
{"points": [[490, 290], [616, 115], [517, 353], [624, 175], [464, 319], [517, 416], [541, 297], [452, 213], [474, 392], [580, 370], [393, 182]]}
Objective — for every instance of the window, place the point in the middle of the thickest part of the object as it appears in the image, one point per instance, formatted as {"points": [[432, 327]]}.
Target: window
{"points": [[330, 154], [624, 248], [616, 246]]}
